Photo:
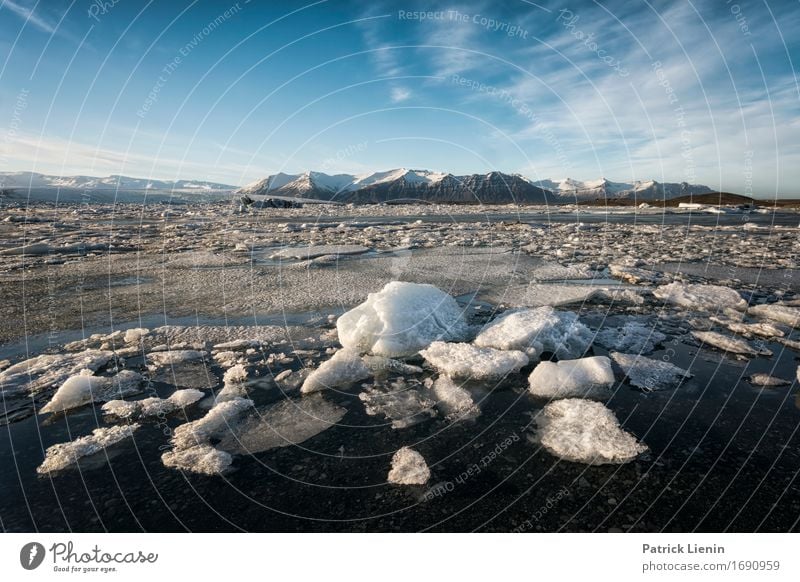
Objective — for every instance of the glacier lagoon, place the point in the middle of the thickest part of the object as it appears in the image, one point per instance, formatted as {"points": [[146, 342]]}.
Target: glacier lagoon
{"points": [[209, 290]]}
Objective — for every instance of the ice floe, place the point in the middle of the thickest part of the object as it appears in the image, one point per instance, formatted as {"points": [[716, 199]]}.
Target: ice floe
{"points": [[777, 312], [345, 367], [649, 374], [233, 380], [62, 455], [84, 388], [767, 381], [459, 360], [192, 450], [48, 370], [398, 402], [290, 422], [585, 431], [729, 344], [700, 297], [312, 252], [402, 319], [202, 459], [454, 401], [409, 468], [586, 377], [538, 330], [635, 336], [153, 406], [381, 366]]}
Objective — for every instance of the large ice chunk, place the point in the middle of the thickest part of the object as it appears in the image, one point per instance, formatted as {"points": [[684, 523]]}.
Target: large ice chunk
{"points": [[537, 330], [345, 367], [459, 360], [85, 388], [409, 468], [701, 297], [584, 431], [63, 455], [402, 319], [586, 377], [649, 374]]}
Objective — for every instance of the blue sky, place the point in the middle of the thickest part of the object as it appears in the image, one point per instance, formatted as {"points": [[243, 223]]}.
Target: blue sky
{"points": [[697, 91]]}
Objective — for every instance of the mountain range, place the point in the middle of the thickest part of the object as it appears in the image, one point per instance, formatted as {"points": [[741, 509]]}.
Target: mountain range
{"points": [[493, 188], [113, 182], [389, 186]]}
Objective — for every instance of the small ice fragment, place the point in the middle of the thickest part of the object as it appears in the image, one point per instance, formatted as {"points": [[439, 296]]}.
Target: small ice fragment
{"points": [[537, 330], [135, 335], [345, 367], [382, 366], [214, 424], [649, 374], [701, 297], [290, 422], [409, 468], [767, 381], [453, 400], [586, 377], [234, 384], [47, 370], [402, 405], [401, 319], [85, 388], [62, 455], [202, 459], [584, 431], [312, 251], [777, 312], [172, 357], [459, 360], [633, 337], [152, 406], [729, 344]]}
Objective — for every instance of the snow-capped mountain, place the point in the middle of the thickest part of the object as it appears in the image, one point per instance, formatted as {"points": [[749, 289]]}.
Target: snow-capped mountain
{"points": [[322, 186], [113, 182], [574, 190], [491, 188]]}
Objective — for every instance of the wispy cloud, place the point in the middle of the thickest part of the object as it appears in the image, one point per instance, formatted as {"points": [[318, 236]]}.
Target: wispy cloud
{"points": [[400, 94], [29, 15]]}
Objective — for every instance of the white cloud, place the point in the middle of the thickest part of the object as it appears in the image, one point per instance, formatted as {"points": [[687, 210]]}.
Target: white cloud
{"points": [[400, 94]]}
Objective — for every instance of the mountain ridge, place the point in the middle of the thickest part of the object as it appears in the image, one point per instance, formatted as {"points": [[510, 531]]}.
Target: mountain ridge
{"points": [[491, 188]]}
